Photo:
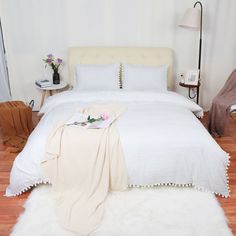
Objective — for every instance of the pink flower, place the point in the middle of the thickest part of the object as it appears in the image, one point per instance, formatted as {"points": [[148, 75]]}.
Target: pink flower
{"points": [[104, 116], [49, 60], [59, 61], [50, 56]]}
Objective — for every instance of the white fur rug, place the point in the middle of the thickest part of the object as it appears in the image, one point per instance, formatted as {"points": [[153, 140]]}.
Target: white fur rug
{"points": [[164, 211]]}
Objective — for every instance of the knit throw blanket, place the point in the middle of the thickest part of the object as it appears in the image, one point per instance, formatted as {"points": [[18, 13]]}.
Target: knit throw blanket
{"points": [[83, 164], [220, 108], [15, 124]]}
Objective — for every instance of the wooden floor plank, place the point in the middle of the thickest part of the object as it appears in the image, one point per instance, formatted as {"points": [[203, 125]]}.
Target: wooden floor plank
{"points": [[10, 208]]}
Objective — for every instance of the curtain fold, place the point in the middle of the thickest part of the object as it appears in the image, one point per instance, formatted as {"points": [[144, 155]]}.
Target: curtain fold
{"points": [[4, 80]]}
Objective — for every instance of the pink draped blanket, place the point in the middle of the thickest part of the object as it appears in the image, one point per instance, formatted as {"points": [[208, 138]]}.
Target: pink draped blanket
{"points": [[220, 108]]}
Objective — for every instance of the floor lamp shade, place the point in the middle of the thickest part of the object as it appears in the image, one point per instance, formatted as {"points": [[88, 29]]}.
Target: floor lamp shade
{"points": [[191, 19]]}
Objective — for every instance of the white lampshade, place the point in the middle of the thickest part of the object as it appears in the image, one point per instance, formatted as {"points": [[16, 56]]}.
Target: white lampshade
{"points": [[191, 19]]}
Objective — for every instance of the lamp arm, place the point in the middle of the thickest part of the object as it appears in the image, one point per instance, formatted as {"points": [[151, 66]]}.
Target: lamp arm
{"points": [[201, 7], [200, 41]]}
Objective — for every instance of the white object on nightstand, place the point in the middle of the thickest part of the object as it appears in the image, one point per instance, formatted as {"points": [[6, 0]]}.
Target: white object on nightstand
{"points": [[53, 87]]}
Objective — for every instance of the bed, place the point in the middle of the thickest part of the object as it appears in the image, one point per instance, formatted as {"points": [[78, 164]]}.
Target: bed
{"points": [[163, 140]]}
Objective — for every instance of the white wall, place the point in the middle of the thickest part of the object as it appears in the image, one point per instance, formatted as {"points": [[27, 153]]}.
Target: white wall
{"points": [[34, 28]]}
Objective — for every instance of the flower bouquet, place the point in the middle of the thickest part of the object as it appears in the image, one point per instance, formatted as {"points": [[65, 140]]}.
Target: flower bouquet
{"points": [[94, 123], [54, 64]]}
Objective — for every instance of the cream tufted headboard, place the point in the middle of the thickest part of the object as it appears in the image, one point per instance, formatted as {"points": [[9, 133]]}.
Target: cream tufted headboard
{"points": [[150, 56]]}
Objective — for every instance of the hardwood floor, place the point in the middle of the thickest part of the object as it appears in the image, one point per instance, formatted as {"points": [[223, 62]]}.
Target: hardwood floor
{"points": [[10, 208]]}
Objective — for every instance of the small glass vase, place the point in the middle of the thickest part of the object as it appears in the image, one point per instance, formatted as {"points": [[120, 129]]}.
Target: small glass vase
{"points": [[56, 77]]}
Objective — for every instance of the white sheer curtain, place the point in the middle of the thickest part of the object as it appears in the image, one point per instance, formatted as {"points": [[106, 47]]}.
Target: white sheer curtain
{"points": [[4, 82], [56, 25]]}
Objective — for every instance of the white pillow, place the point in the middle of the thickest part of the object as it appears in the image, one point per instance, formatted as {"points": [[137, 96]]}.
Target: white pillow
{"points": [[135, 77], [97, 77]]}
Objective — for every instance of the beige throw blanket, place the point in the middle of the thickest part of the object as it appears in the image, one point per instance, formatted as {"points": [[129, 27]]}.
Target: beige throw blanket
{"points": [[83, 165]]}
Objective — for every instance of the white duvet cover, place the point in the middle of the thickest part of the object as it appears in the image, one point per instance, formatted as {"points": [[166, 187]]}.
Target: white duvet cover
{"points": [[163, 141]]}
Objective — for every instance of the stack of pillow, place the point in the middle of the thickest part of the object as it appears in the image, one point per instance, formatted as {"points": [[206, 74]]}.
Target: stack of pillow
{"points": [[120, 76]]}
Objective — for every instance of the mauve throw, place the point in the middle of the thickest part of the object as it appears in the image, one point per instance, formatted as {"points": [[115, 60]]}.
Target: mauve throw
{"points": [[220, 108]]}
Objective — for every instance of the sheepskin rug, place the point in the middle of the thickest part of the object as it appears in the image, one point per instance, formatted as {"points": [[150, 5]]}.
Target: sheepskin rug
{"points": [[164, 211]]}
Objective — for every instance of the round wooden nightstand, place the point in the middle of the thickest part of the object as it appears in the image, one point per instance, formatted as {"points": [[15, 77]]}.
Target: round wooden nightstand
{"points": [[190, 87], [50, 89]]}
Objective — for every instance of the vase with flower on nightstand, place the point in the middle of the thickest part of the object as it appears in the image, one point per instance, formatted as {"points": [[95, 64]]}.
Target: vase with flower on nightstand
{"points": [[54, 64], [56, 77]]}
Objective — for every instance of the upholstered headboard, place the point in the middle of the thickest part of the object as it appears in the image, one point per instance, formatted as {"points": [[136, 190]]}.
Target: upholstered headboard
{"points": [[150, 56]]}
